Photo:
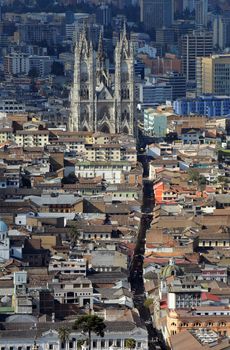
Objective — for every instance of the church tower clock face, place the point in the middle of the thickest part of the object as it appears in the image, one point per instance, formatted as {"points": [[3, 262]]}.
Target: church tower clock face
{"points": [[101, 101]]}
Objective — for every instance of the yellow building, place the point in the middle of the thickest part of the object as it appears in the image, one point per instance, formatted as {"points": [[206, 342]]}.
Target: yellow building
{"points": [[213, 75], [32, 138], [6, 134], [215, 318]]}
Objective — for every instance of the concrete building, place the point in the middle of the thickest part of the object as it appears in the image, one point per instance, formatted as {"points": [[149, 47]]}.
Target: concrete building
{"points": [[178, 83], [155, 123], [33, 33], [9, 105], [152, 94], [4, 242], [116, 334], [156, 13], [103, 15], [221, 30], [76, 291], [66, 267], [16, 63], [42, 64], [196, 44], [213, 75], [210, 106], [201, 13], [32, 138], [111, 170]]}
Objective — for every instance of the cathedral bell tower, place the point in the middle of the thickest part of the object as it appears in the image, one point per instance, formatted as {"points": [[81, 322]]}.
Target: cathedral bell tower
{"points": [[82, 94], [100, 102], [125, 85]]}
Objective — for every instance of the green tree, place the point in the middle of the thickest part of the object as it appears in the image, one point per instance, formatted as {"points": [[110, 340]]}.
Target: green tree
{"points": [[193, 175], [89, 324], [148, 302], [80, 342], [64, 334], [74, 235], [130, 343]]}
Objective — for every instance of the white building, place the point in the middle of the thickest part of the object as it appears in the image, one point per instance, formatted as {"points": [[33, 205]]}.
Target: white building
{"points": [[71, 266], [76, 291], [111, 171], [16, 63], [115, 337], [12, 106], [4, 242]]}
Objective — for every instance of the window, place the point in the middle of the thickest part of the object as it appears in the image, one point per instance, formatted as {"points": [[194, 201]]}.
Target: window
{"points": [[197, 324], [50, 346]]}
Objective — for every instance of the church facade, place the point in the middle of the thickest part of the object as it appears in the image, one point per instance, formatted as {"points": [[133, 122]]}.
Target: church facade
{"points": [[101, 101]]}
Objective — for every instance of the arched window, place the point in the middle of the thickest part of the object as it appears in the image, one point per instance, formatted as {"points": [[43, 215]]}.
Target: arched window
{"points": [[124, 71], [125, 130], [104, 113], [125, 115], [184, 324], [84, 72]]}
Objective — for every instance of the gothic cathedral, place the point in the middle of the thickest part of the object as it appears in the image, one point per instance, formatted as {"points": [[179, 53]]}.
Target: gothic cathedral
{"points": [[101, 101]]}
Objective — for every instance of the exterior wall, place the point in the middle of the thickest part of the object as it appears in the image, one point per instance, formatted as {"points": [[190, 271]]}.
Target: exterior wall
{"points": [[158, 192], [219, 324], [101, 110], [213, 75], [155, 124], [214, 242], [76, 267], [6, 135], [30, 139], [50, 340]]}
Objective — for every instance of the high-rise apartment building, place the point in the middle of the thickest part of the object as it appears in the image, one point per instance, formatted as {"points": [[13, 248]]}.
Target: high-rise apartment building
{"points": [[156, 13], [221, 30], [213, 75], [16, 63], [178, 83], [193, 45], [201, 13], [103, 15], [189, 5]]}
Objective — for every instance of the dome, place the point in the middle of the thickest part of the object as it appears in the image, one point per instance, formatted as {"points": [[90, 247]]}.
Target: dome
{"points": [[3, 226], [171, 270], [5, 300]]}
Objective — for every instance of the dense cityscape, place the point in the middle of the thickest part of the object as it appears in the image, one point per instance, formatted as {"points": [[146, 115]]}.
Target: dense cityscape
{"points": [[114, 174]]}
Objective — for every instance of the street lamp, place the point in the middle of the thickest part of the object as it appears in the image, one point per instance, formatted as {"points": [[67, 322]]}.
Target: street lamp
{"points": [[35, 346]]}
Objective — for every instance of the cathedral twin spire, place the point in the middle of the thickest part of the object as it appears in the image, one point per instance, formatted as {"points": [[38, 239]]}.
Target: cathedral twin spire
{"points": [[100, 101]]}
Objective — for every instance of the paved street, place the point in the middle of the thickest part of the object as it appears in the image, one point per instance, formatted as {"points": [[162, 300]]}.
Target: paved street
{"points": [[136, 273]]}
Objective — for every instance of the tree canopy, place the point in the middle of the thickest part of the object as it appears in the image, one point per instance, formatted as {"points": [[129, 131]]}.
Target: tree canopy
{"points": [[64, 334], [89, 324]]}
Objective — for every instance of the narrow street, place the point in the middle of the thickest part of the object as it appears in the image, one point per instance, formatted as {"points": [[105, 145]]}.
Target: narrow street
{"points": [[136, 273]]}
